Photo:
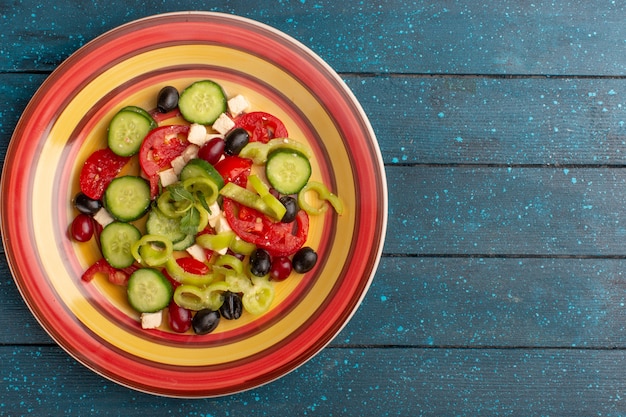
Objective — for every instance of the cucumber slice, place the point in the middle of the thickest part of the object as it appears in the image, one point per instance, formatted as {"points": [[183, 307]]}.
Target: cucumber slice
{"points": [[127, 198], [202, 102], [149, 291], [127, 130], [287, 170], [116, 240], [198, 167], [184, 243], [161, 225], [143, 112], [168, 227]]}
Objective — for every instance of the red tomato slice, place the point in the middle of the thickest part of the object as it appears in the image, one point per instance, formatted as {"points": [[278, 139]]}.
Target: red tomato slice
{"points": [[279, 239], [234, 169], [159, 149], [99, 170], [262, 126], [161, 117], [193, 266], [114, 275]]}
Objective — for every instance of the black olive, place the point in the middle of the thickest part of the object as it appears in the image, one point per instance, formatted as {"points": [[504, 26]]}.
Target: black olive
{"points": [[304, 260], [291, 205], [167, 100], [260, 262], [205, 321], [232, 307], [86, 204], [235, 140]]}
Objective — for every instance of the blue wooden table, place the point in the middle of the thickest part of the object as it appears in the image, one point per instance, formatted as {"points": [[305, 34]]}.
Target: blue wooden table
{"points": [[501, 290]]}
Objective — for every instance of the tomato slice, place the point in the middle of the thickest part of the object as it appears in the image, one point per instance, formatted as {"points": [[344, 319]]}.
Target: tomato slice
{"points": [[262, 126], [159, 149], [161, 117], [114, 275], [234, 169], [193, 266], [279, 239], [99, 170]]}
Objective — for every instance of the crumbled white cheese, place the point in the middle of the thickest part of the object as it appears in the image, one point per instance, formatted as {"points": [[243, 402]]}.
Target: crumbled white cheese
{"points": [[214, 214], [197, 134], [103, 217], [190, 152], [168, 177], [181, 160], [178, 164], [151, 320], [221, 225], [238, 105], [197, 252], [223, 124]]}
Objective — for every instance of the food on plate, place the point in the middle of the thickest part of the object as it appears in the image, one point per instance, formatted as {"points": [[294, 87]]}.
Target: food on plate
{"points": [[217, 213]]}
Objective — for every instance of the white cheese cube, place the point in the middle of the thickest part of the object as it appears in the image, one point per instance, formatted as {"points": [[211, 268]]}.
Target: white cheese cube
{"points": [[178, 164], [214, 214], [197, 252], [238, 105], [103, 217], [197, 134], [181, 160], [190, 152], [223, 124], [151, 320], [168, 177], [222, 225]]}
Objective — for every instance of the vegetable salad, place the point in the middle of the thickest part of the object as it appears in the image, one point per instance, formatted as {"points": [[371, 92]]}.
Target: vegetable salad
{"points": [[198, 236]]}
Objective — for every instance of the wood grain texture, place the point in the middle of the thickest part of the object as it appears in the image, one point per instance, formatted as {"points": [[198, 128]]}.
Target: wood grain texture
{"points": [[347, 382], [444, 37], [466, 302], [504, 121], [516, 211], [501, 291], [467, 120]]}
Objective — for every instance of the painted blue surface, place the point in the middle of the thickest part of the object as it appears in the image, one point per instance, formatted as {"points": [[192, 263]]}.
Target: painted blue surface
{"points": [[501, 291]]}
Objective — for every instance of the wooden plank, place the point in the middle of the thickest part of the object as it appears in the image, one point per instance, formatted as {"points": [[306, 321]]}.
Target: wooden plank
{"points": [[19, 324], [478, 120], [16, 91], [347, 382], [467, 120], [445, 37], [426, 302], [470, 302], [506, 211]]}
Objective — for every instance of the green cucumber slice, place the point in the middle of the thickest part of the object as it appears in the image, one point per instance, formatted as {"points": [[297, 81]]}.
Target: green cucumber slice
{"points": [[143, 112], [149, 291], [184, 243], [202, 102], [161, 225], [127, 198], [170, 228], [127, 130], [198, 167], [116, 241], [287, 170]]}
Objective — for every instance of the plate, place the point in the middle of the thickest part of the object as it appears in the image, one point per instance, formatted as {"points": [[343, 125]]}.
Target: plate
{"points": [[66, 120]]}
